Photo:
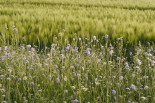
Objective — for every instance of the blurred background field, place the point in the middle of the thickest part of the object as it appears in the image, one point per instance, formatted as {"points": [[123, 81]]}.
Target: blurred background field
{"points": [[41, 22]]}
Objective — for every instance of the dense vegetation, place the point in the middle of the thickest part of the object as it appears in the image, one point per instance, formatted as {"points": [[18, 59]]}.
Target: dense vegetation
{"points": [[69, 75], [87, 51], [40, 22]]}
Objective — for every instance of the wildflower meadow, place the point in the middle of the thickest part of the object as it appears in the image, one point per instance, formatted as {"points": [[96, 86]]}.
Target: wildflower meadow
{"points": [[77, 51]]}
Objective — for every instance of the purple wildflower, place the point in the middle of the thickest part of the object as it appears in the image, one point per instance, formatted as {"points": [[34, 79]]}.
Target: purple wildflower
{"points": [[121, 78], [139, 62], [71, 67], [133, 87], [57, 80], [1, 76], [28, 46], [73, 87], [94, 37], [114, 92], [111, 52], [74, 101], [3, 57]]}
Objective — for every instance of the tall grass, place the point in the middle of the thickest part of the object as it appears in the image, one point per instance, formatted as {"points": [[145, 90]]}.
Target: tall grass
{"points": [[39, 22], [59, 51]]}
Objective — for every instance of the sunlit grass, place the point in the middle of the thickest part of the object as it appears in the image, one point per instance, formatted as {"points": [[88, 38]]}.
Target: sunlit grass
{"points": [[40, 23], [86, 51]]}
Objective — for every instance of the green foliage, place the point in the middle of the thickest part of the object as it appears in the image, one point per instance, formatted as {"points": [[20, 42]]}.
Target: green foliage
{"points": [[86, 74], [87, 51], [37, 21]]}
